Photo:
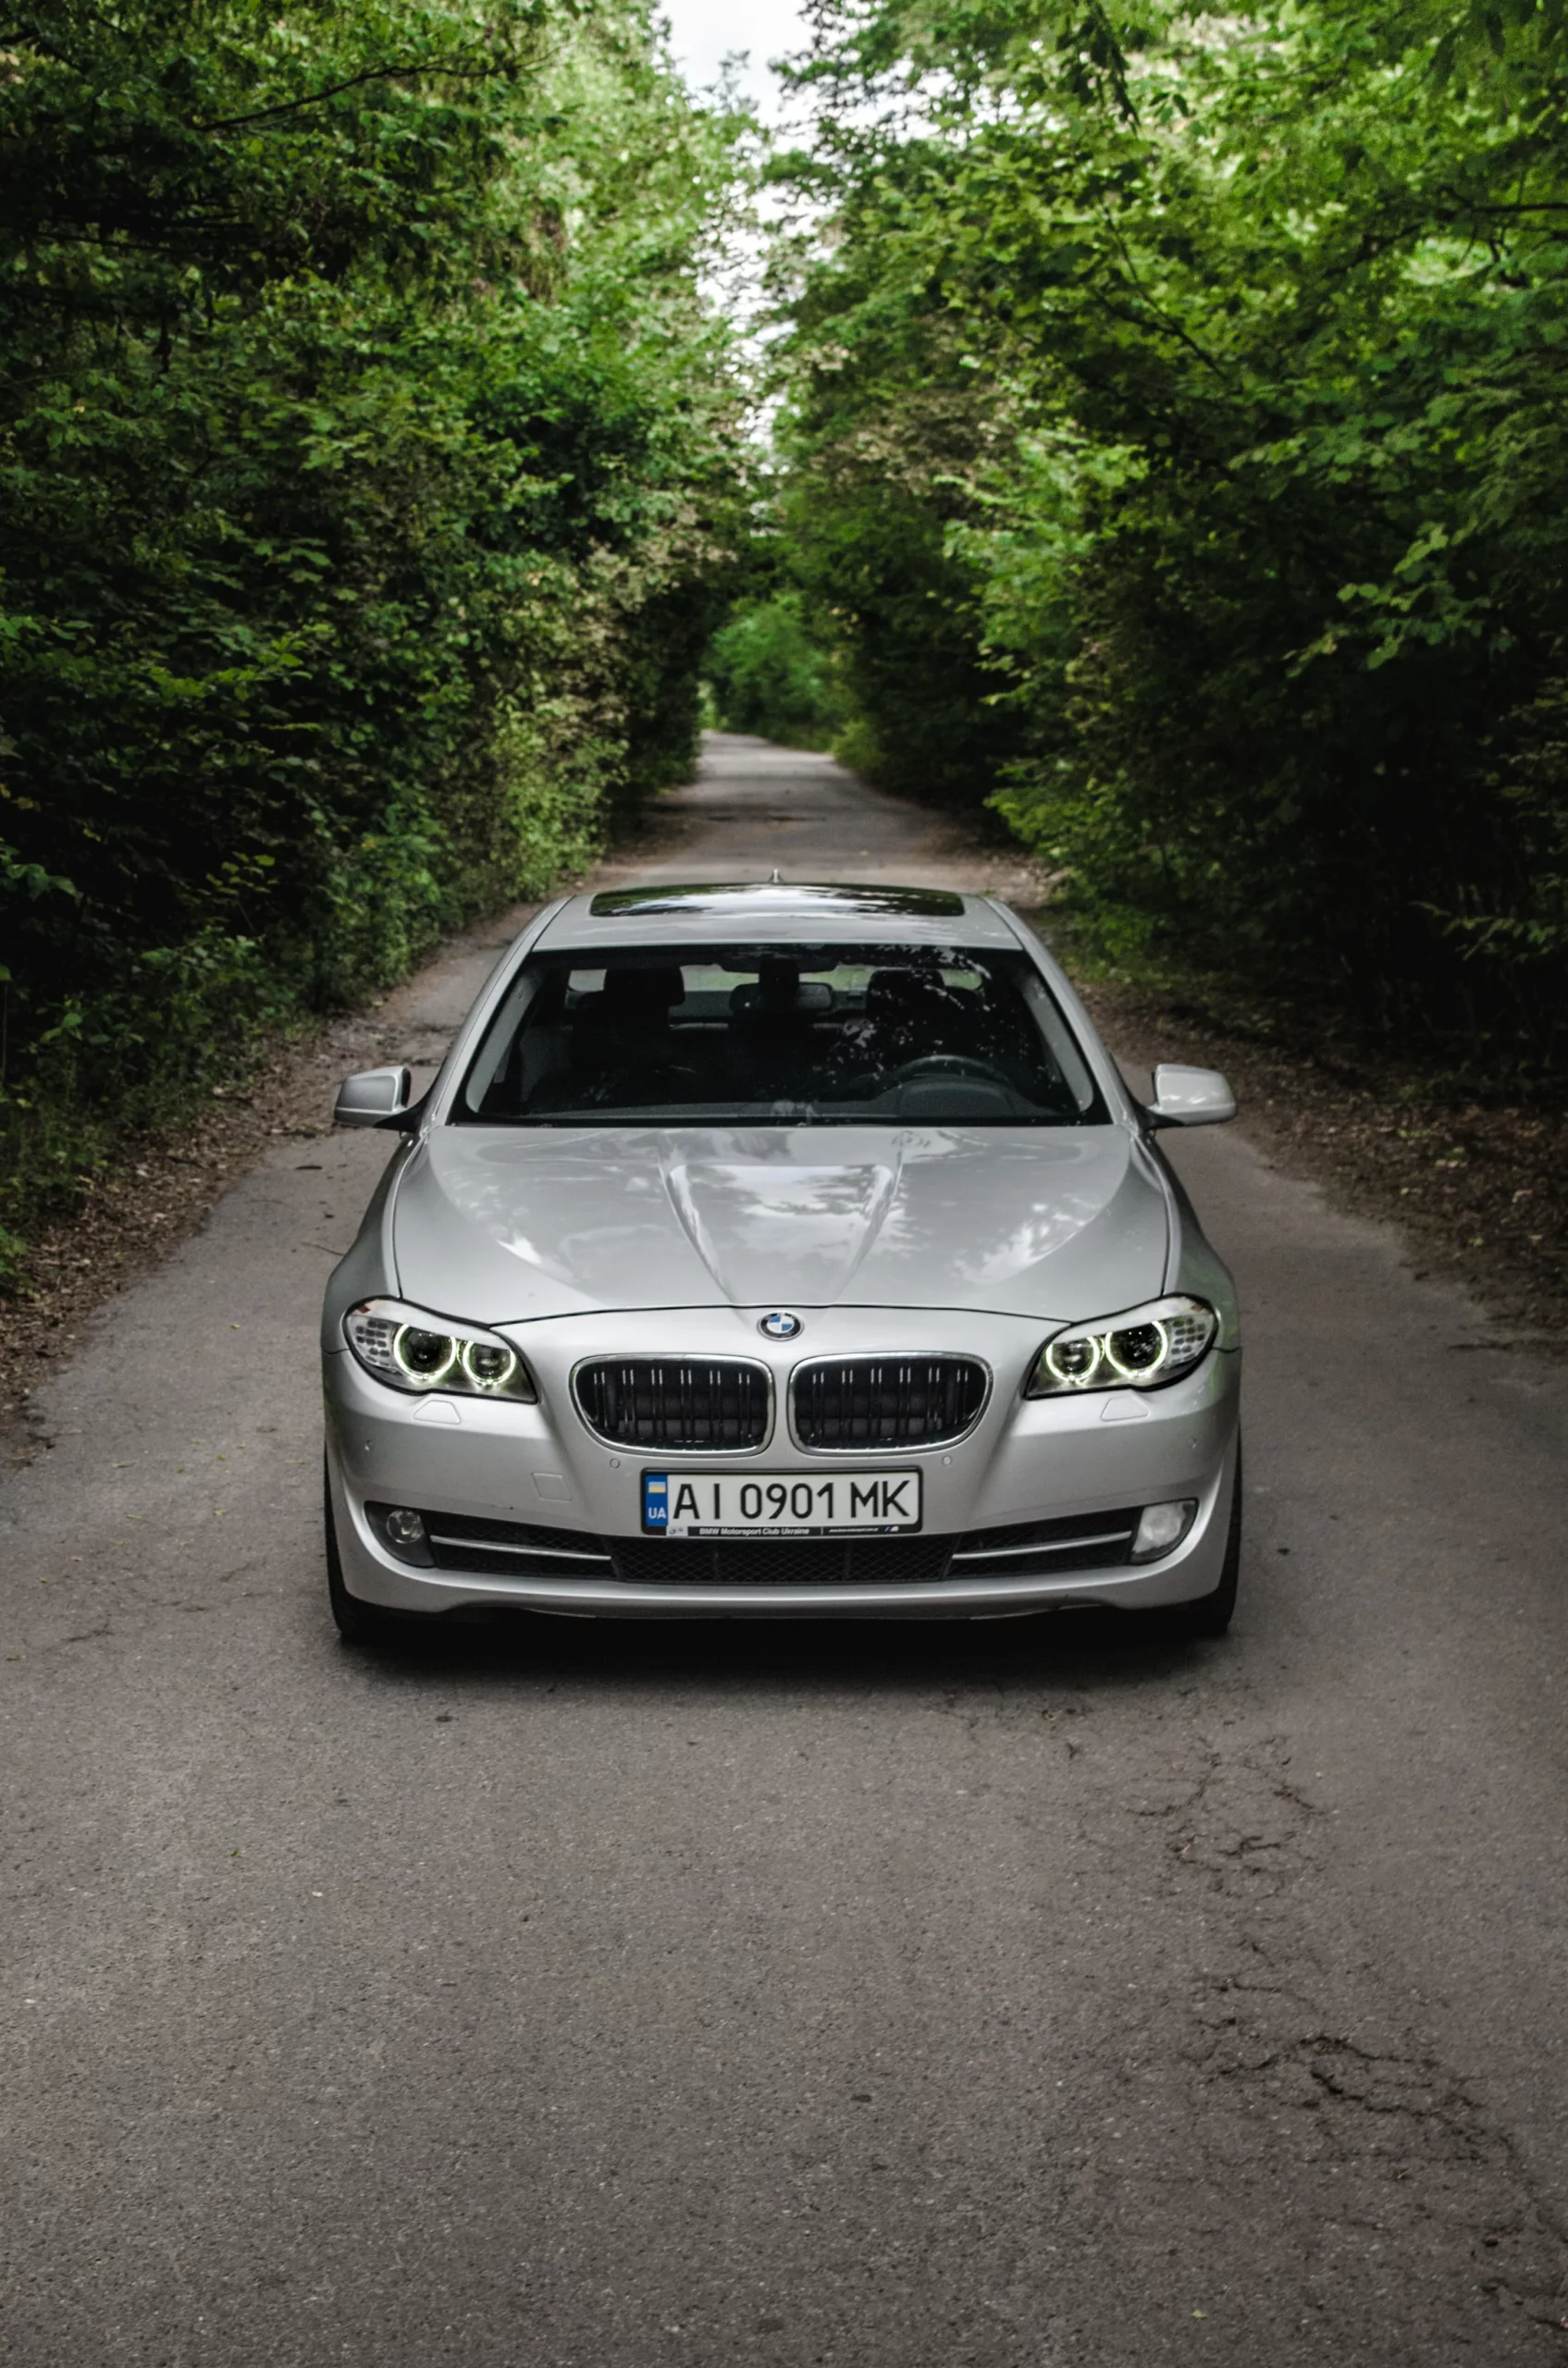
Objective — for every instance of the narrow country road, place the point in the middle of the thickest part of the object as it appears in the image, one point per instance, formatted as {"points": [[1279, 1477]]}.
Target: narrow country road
{"points": [[1007, 1996]]}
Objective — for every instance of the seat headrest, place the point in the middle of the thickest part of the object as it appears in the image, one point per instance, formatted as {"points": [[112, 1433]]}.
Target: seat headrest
{"points": [[630, 991], [897, 994]]}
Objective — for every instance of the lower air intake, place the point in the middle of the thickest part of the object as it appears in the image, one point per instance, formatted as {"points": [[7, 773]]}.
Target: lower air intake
{"points": [[780, 1562], [887, 1401], [669, 1402]]}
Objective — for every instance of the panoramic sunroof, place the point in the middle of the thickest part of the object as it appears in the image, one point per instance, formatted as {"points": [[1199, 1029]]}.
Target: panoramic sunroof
{"points": [[746, 895]]}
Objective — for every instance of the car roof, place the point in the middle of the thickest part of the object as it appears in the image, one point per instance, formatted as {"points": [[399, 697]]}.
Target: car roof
{"points": [[785, 912]]}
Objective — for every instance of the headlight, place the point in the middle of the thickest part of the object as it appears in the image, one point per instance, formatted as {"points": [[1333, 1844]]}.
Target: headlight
{"points": [[410, 1350], [1141, 1350]]}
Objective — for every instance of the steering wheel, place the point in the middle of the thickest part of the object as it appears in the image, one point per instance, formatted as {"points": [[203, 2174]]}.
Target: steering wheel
{"points": [[947, 1065]]}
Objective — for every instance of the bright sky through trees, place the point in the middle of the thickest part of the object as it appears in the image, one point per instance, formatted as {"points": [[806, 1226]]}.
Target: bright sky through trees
{"points": [[704, 33]]}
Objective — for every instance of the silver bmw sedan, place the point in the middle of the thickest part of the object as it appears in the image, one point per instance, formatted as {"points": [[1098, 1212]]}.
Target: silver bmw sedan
{"points": [[775, 1251]]}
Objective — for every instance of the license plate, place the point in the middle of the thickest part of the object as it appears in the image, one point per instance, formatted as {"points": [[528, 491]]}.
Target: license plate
{"points": [[779, 1504]]}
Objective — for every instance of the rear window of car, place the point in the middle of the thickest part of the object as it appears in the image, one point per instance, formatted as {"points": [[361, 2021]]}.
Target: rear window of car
{"points": [[791, 1035]]}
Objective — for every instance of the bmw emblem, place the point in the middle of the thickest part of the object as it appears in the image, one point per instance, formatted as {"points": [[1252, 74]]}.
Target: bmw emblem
{"points": [[781, 1326]]}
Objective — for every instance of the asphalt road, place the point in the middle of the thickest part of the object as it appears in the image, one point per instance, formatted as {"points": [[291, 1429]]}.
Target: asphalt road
{"points": [[1021, 1995]]}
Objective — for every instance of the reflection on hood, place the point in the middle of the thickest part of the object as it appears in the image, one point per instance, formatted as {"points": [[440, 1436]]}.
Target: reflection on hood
{"points": [[506, 1224]]}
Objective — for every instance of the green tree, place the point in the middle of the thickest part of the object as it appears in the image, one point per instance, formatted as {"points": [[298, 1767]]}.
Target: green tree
{"points": [[1221, 359], [369, 470]]}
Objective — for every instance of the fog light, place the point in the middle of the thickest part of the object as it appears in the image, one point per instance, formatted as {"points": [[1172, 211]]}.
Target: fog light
{"points": [[405, 1533], [403, 1530], [1162, 1527]]}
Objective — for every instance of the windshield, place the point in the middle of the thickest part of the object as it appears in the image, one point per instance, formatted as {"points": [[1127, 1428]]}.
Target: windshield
{"points": [[790, 1035]]}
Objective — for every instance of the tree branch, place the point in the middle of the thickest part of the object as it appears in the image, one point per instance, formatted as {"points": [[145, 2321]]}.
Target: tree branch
{"points": [[335, 90]]}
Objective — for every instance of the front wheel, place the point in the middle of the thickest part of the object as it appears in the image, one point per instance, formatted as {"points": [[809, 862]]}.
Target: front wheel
{"points": [[1210, 1615], [357, 1623]]}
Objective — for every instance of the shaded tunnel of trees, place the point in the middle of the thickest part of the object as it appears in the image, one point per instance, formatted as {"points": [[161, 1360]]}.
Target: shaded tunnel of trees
{"points": [[1165, 450]]}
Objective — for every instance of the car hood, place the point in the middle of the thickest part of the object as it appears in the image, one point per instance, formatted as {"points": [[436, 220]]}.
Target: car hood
{"points": [[507, 1225]]}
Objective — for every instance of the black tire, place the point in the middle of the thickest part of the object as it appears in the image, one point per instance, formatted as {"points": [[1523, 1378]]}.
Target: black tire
{"points": [[357, 1623], [1210, 1615]]}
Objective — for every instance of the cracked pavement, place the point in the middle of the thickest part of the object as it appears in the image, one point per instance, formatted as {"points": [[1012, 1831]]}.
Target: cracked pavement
{"points": [[1023, 1994]]}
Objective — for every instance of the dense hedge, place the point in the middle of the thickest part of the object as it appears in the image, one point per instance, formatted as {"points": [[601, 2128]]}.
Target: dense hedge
{"points": [[1176, 442], [366, 475]]}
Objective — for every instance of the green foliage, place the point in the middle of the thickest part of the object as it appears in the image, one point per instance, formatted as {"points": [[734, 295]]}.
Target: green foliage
{"points": [[367, 472], [1200, 381], [881, 438], [770, 676]]}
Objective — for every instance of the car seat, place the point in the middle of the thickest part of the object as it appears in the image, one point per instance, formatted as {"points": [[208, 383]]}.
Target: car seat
{"points": [[621, 1040], [913, 1013]]}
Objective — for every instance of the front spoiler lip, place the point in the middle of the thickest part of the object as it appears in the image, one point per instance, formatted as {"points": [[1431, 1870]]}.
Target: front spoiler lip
{"points": [[627, 1599]]}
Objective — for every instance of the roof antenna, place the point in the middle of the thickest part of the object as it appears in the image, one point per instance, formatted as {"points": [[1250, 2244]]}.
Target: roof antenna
{"points": [[773, 880]]}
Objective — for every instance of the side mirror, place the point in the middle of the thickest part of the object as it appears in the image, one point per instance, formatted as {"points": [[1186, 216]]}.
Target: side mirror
{"points": [[372, 1096], [1185, 1097]]}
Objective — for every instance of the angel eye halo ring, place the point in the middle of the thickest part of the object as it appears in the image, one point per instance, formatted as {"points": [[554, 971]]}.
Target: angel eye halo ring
{"points": [[423, 1358], [1142, 1349], [489, 1365], [410, 1350]]}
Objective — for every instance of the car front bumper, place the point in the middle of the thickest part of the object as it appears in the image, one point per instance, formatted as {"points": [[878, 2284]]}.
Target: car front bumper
{"points": [[1027, 1462]]}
